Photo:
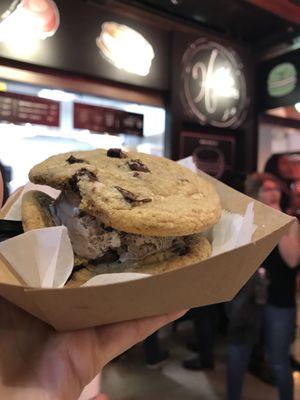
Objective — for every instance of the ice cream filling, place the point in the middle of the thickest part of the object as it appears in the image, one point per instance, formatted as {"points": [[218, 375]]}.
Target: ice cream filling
{"points": [[91, 239]]}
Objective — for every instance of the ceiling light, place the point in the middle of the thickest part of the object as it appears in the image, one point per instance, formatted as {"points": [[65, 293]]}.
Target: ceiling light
{"points": [[125, 48]]}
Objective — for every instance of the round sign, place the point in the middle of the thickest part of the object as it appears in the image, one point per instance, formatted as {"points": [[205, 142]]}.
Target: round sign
{"points": [[282, 79], [213, 84]]}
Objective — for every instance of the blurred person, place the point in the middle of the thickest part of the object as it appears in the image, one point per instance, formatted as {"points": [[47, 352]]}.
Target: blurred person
{"points": [[294, 206], [38, 363], [277, 166], [204, 318], [205, 327], [6, 176], [154, 354], [281, 166], [280, 266], [245, 313]]}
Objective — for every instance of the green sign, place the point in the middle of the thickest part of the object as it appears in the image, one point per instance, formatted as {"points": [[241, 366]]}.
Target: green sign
{"points": [[282, 79]]}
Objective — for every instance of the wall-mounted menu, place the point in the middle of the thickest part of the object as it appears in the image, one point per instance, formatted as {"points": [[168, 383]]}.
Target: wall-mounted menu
{"points": [[102, 119], [20, 108]]}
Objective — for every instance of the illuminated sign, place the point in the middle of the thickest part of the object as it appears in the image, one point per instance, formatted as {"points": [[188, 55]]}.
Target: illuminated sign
{"points": [[213, 84], [282, 79], [125, 48]]}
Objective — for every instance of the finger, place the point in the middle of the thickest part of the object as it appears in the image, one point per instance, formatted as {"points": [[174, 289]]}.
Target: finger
{"points": [[113, 340]]}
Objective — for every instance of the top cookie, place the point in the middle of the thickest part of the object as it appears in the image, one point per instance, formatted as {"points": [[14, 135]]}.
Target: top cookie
{"points": [[134, 192]]}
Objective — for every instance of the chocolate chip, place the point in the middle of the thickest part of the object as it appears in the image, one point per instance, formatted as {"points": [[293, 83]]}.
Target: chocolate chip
{"points": [[116, 153], [74, 160], [138, 165], [108, 229], [180, 250], [131, 197], [82, 172], [108, 257], [136, 175]]}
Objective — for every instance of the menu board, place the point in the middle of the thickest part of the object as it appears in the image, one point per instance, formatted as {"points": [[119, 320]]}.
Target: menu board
{"points": [[102, 119], [20, 108], [212, 154]]}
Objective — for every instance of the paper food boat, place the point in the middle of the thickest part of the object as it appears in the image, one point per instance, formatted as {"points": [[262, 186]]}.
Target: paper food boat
{"points": [[214, 280]]}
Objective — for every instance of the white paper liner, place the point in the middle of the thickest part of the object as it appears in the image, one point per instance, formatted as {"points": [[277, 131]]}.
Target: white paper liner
{"points": [[232, 231], [14, 213], [41, 257], [106, 279], [44, 257]]}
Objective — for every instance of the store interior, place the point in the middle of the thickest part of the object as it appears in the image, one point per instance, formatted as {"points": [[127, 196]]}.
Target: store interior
{"points": [[214, 82]]}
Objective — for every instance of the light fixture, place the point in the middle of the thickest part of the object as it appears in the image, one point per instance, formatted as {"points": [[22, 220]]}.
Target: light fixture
{"points": [[26, 22], [58, 95], [125, 48], [297, 107]]}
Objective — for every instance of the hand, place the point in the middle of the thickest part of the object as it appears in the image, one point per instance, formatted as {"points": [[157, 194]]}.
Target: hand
{"points": [[38, 363]]}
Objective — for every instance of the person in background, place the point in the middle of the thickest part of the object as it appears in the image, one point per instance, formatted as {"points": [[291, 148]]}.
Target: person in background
{"points": [[244, 326], [37, 363], [154, 354], [275, 165], [280, 267], [204, 325], [6, 173], [294, 206], [244, 315], [280, 165], [204, 318]]}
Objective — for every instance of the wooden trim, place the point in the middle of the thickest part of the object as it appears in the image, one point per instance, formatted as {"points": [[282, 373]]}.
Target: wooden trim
{"points": [[280, 121], [282, 8], [81, 84]]}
